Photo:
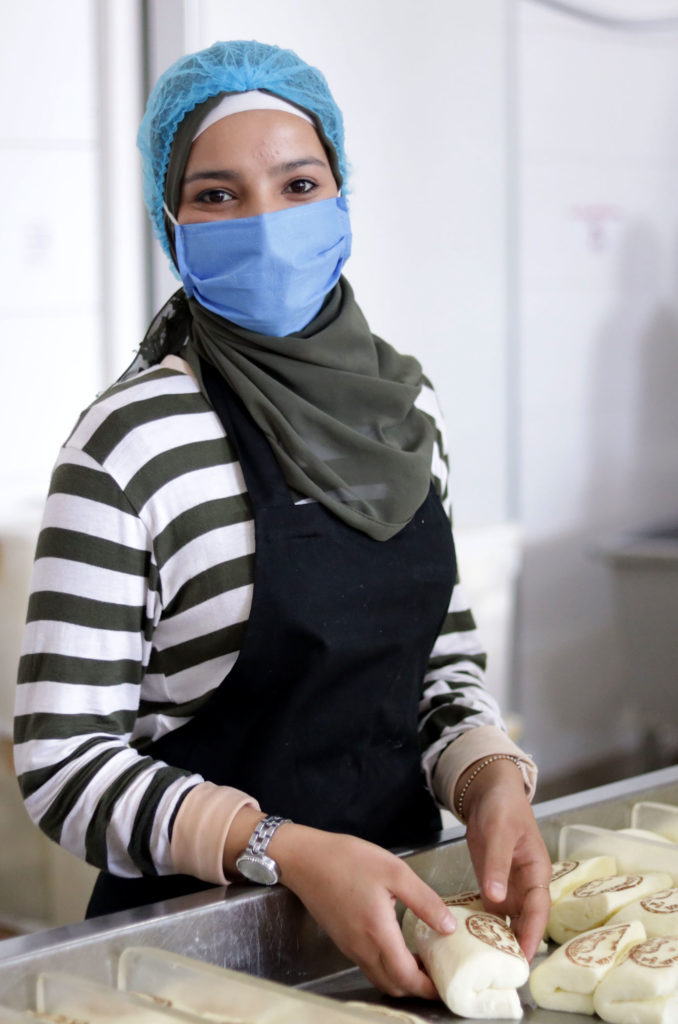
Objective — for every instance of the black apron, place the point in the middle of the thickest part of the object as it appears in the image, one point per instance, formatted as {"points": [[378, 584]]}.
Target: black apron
{"points": [[318, 717]]}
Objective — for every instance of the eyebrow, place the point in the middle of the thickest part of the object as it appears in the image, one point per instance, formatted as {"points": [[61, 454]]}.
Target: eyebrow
{"points": [[224, 174]]}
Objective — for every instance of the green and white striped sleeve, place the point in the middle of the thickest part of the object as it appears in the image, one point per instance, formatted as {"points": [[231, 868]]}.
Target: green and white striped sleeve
{"points": [[454, 700], [125, 635], [92, 611]]}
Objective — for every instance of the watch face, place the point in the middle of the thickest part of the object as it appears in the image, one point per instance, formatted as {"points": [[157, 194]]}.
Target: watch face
{"points": [[258, 868]]}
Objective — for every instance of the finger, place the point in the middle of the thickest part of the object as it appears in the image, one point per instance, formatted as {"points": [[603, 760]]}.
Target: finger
{"points": [[390, 967], [424, 902], [400, 973], [409, 981], [494, 866], [418, 986], [389, 960], [531, 924]]}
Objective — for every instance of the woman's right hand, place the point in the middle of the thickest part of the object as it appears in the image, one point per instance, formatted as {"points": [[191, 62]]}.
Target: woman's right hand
{"points": [[350, 887]]}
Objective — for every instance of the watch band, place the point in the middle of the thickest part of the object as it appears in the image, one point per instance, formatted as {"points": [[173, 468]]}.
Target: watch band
{"points": [[263, 833], [253, 862]]}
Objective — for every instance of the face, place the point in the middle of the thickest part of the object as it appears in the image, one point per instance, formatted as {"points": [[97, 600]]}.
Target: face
{"points": [[257, 161]]}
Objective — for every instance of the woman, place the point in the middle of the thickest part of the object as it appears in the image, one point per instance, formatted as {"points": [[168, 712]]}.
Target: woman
{"points": [[246, 654]]}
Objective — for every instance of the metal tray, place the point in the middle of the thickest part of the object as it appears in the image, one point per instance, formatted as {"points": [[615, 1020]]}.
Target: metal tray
{"points": [[267, 932]]}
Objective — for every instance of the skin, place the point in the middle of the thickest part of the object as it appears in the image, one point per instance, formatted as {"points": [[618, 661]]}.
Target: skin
{"points": [[262, 161], [257, 161]]}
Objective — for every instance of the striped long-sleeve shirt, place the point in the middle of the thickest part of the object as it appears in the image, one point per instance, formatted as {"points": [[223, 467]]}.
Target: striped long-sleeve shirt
{"points": [[141, 592]]}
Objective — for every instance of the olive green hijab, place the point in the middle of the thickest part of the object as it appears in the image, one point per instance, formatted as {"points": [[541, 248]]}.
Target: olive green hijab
{"points": [[336, 403]]}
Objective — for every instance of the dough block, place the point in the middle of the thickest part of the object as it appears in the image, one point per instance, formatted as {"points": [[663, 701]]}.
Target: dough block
{"points": [[378, 1012], [471, 899], [643, 988], [658, 913], [591, 904], [568, 978], [478, 968], [568, 874], [644, 833]]}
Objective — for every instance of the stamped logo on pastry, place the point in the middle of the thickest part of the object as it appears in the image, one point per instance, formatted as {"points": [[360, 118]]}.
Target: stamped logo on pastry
{"points": [[492, 931], [562, 868], [660, 952], [613, 883], [459, 899], [664, 902], [596, 948]]}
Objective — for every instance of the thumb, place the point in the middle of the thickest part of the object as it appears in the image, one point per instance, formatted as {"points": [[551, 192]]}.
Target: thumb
{"points": [[426, 904]]}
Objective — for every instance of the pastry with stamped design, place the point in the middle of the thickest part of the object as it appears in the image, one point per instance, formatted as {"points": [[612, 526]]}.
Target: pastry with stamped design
{"points": [[591, 904], [568, 874], [643, 987], [470, 898], [478, 968], [568, 978], [658, 913]]}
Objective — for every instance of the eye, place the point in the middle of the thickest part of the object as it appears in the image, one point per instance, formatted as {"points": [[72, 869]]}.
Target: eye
{"points": [[301, 186], [213, 196]]}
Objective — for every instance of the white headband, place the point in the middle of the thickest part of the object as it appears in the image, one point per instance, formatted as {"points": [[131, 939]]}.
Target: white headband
{"points": [[237, 102]]}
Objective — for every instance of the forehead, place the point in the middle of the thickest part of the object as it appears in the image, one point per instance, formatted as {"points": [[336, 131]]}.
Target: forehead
{"points": [[254, 137]]}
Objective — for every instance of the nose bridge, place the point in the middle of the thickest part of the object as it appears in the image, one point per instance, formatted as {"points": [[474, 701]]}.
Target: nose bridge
{"points": [[261, 197]]}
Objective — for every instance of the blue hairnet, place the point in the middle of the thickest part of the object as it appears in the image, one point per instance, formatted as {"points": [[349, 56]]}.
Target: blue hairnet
{"points": [[236, 66]]}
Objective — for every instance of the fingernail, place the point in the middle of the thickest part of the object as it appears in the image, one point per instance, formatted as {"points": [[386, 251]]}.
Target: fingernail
{"points": [[448, 923], [496, 891]]}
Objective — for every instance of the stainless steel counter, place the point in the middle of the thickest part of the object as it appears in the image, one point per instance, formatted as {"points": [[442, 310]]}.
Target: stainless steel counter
{"points": [[267, 933]]}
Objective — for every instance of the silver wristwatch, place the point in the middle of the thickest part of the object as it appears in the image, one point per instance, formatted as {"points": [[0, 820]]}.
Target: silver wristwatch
{"points": [[253, 862]]}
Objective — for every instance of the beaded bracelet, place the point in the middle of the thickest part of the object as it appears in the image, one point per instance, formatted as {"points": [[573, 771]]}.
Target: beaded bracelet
{"points": [[476, 771]]}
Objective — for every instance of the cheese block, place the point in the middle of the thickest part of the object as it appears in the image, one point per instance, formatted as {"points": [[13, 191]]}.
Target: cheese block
{"points": [[478, 968], [70, 998], [591, 904], [658, 913], [644, 833], [470, 898], [379, 1012], [643, 987], [567, 979], [568, 874]]}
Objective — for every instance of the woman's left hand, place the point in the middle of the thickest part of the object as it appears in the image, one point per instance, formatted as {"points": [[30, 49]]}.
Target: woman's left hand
{"points": [[511, 862]]}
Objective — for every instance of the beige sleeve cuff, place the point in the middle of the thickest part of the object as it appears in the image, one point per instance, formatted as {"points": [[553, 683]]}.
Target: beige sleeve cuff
{"points": [[201, 828], [172, 362], [484, 741]]}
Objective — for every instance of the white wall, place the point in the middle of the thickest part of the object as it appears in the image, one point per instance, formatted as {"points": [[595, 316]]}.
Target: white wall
{"points": [[72, 283], [50, 291], [49, 280], [598, 299], [71, 300]]}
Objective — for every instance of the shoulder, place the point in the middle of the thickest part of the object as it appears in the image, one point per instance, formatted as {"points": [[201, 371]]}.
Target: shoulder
{"points": [[428, 402], [159, 405]]}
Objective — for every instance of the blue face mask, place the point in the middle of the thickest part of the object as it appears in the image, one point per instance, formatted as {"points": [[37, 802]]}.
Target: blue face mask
{"points": [[268, 273]]}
